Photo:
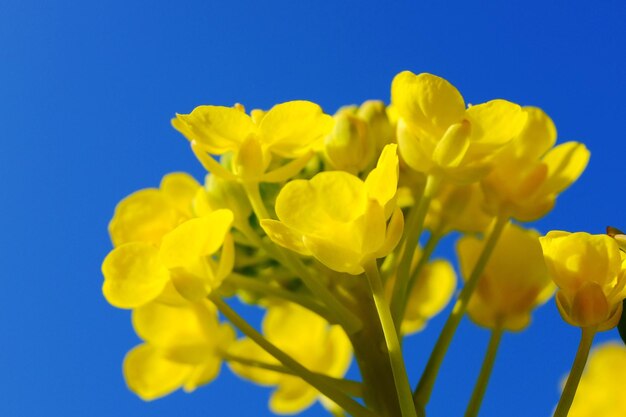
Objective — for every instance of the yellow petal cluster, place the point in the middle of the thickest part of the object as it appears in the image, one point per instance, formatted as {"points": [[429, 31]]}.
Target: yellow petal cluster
{"points": [[340, 219], [530, 172], [307, 338], [514, 282], [601, 388], [183, 348], [438, 135], [590, 273], [161, 247], [290, 130]]}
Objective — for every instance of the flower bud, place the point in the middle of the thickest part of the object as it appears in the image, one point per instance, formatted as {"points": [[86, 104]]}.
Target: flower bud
{"points": [[348, 147]]}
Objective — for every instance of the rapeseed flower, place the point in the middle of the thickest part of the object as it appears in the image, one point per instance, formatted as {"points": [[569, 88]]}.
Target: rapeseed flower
{"points": [[510, 286], [183, 348], [291, 130], [590, 273], [339, 219], [438, 135]]}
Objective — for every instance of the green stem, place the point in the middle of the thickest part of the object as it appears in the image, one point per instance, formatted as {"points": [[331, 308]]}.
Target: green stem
{"points": [[394, 350], [422, 393], [349, 387], [567, 397], [398, 305], [322, 385], [413, 230], [345, 317], [243, 282], [485, 373]]}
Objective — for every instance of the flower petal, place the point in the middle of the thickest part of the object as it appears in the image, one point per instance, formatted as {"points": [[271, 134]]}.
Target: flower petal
{"points": [[151, 376], [291, 129], [427, 102], [133, 275], [565, 164], [496, 122], [218, 129]]}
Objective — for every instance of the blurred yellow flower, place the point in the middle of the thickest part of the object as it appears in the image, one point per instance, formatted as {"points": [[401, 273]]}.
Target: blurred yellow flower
{"points": [[288, 130], [601, 389], [349, 147], [307, 338], [591, 275], [514, 282], [338, 218], [529, 173], [183, 348], [458, 207], [438, 135], [431, 293]]}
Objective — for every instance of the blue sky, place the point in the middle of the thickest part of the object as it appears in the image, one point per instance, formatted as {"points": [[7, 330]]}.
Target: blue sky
{"points": [[87, 90]]}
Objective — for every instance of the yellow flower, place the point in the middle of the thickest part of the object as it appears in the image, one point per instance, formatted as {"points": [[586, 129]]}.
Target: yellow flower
{"points": [[148, 214], [529, 173], [514, 282], [136, 273], [160, 246], [309, 340], [183, 348], [591, 275], [340, 219], [438, 135], [432, 291], [288, 130]]}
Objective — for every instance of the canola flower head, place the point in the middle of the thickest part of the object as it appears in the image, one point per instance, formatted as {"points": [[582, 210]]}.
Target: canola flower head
{"points": [[511, 286], [307, 338], [438, 135], [183, 348], [589, 271], [338, 218]]}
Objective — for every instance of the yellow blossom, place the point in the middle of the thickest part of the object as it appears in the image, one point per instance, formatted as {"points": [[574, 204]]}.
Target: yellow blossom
{"points": [[513, 283], [601, 388], [590, 273], [349, 147], [308, 339], [183, 348], [529, 172], [438, 135], [290, 130], [338, 218]]}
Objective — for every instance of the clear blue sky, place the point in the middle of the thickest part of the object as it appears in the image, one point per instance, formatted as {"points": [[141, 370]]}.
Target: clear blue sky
{"points": [[87, 90]]}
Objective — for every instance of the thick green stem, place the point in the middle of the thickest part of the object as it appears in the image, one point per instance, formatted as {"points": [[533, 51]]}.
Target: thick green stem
{"points": [[567, 397], [400, 376], [349, 387], [485, 374], [321, 384], [413, 230], [424, 389]]}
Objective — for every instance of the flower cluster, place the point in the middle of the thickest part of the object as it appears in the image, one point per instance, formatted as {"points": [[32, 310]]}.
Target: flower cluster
{"points": [[317, 219]]}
